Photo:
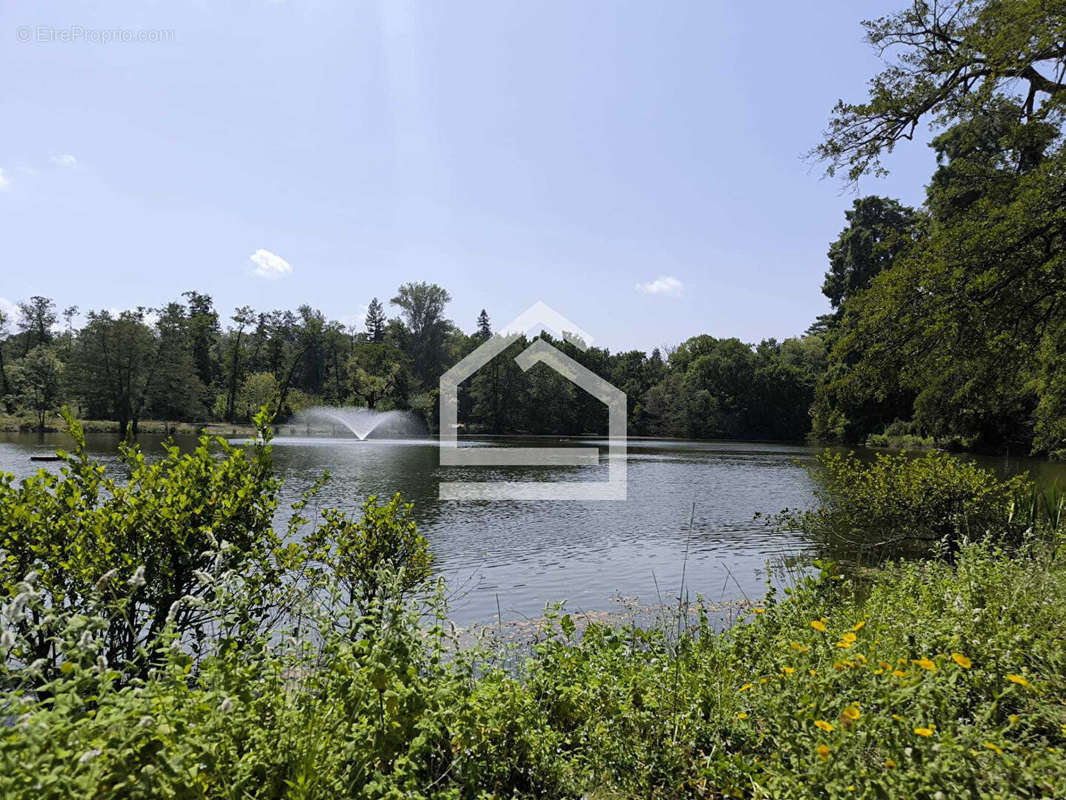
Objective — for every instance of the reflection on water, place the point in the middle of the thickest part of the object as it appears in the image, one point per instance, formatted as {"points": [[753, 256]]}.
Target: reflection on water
{"points": [[528, 553]]}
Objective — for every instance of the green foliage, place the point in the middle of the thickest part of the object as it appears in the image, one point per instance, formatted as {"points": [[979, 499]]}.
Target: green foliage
{"points": [[37, 381], [723, 388], [381, 550], [878, 230], [934, 677], [951, 61], [941, 679], [960, 330], [137, 552], [899, 501]]}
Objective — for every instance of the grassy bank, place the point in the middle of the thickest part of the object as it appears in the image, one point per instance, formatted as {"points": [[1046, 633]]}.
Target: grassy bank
{"points": [[15, 423], [159, 638], [933, 678]]}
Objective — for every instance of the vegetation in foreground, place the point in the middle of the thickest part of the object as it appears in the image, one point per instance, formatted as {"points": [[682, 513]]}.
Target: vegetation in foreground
{"points": [[160, 640]]}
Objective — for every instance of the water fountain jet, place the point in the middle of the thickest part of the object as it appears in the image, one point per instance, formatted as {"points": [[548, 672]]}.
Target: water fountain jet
{"points": [[361, 421]]}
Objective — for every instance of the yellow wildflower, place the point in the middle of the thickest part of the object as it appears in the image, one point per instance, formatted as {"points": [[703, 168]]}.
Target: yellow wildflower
{"points": [[925, 663], [823, 752], [924, 731], [878, 671], [961, 660], [818, 625], [898, 718], [899, 673], [1018, 679], [883, 664], [758, 610], [852, 713], [890, 764], [746, 686], [825, 726], [798, 646], [742, 715], [858, 625], [844, 644], [992, 746], [788, 670], [813, 671], [849, 637]]}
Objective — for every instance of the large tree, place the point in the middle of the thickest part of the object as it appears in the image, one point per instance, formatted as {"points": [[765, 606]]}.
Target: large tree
{"points": [[966, 323], [878, 230], [176, 393], [115, 361], [36, 318], [375, 321], [37, 379], [242, 318], [203, 339], [422, 308]]}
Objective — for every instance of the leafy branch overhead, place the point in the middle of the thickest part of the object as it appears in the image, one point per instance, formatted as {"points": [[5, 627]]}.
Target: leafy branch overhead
{"points": [[950, 62]]}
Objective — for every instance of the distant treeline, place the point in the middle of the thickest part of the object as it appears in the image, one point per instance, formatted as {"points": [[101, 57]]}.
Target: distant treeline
{"points": [[184, 362]]}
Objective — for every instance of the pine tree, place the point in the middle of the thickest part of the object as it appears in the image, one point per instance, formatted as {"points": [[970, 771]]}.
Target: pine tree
{"points": [[375, 321], [484, 328]]}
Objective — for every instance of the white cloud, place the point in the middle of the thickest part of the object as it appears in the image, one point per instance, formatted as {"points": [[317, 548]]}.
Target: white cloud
{"points": [[4, 181], [269, 265], [64, 160], [664, 284]]}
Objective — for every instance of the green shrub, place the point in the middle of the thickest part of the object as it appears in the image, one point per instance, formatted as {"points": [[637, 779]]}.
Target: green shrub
{"points": [[142, 554], [355, 551], [902, 502]]}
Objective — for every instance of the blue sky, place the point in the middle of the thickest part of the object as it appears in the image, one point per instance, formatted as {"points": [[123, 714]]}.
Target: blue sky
{"points": [[635, 165]]}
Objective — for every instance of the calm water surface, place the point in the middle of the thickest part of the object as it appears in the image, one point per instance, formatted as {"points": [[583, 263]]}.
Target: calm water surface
{"points": [[589, 554]]}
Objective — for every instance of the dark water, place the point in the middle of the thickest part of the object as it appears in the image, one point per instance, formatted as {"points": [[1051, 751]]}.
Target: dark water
{"points": [[587, 553]]}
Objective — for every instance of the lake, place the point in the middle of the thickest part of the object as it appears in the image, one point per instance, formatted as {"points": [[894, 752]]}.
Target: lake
{"points": [[523, 554]]}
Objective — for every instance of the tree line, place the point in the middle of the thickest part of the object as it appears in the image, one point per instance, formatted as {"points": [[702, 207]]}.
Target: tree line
{"points": [[186, 361]]}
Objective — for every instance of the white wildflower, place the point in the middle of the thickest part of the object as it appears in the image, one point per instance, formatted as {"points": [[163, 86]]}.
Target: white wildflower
{"points": [[203, 577], [86, 640], [7, 640], [145, 722], [226, 706], [101, 663], [88, 756], [31, 577], [173, 612], [138, 577]]}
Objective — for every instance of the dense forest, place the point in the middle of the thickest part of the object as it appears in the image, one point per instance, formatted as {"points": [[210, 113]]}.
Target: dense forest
{"points": [[948, 321], [184, 362]]}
